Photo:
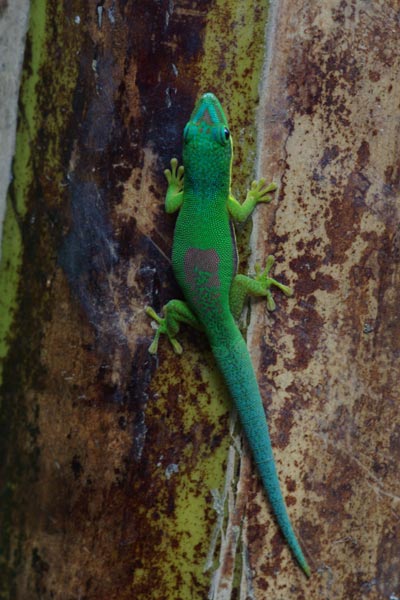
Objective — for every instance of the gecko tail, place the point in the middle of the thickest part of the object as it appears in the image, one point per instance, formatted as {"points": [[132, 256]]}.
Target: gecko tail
{"points": [[235, 364]]}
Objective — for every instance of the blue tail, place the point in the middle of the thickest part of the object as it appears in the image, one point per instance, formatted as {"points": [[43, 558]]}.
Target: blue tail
{"points": [[235, 364]]}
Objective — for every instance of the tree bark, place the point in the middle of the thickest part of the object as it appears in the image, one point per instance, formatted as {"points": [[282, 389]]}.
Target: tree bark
{"points": [[124, 476]]}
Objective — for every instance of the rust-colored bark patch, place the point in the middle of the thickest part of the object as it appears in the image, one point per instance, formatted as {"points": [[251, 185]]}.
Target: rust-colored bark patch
{"points": [[332, 111]]}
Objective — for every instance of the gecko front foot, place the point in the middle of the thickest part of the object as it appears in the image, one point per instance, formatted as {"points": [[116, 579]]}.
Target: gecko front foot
{"points": [[259, 191], [174, 176], [262, 276]]}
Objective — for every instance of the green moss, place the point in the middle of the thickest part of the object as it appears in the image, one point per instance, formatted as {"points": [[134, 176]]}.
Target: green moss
{"points": [[12, 249], [27, 253], [11, 257], [47, 83], [234, 53]]}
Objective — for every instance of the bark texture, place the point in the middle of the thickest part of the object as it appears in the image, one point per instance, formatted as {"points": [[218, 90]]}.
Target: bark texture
{"points": [[123, 480]]}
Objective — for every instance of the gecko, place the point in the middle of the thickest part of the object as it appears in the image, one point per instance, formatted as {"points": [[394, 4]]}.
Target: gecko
{"points": [[204, 261]]}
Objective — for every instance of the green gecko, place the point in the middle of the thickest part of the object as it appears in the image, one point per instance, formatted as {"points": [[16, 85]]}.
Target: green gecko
{"points": [[204, 259]]}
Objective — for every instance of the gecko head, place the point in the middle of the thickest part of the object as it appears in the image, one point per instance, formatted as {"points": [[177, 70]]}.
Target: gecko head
{"points": [[207, 132]]}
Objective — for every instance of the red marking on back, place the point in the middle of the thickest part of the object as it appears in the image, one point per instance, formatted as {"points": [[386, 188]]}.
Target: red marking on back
{"points": [[200, 263]]}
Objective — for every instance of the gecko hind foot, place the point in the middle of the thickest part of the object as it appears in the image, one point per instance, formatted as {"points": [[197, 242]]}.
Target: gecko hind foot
{"points": [[161, 327], [262, 276]]}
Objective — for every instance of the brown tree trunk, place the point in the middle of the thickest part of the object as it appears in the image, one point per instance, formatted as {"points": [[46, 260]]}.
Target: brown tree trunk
{"points": [[124, 476]]}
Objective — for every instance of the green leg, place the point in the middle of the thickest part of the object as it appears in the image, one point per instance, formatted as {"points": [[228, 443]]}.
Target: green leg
{"points": [[259, 192], [260, 285], [175, 312], [174, 197]]}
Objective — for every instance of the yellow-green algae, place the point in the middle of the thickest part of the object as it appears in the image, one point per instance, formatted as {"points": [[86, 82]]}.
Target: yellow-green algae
{"points": [[34, 99], [45, 23], [186, 536], [11, 257], [234, 54], [11, 254]]}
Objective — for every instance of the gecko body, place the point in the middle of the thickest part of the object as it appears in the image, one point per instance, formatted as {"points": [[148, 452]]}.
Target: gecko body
{"points": [[204, 259]]}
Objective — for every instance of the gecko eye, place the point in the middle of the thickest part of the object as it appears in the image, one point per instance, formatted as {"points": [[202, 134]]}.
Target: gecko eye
{"points": [[222, 135]]}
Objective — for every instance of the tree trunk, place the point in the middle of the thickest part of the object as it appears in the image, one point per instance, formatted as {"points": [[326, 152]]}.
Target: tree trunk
{"points": [[124, 476]]}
